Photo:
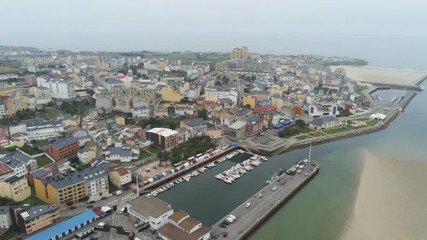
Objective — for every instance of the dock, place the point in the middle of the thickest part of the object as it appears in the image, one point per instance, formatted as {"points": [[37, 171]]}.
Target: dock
{"points": [[264, 203]]}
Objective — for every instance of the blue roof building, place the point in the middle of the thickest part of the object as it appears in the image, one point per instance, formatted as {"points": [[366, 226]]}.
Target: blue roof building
{"points": [[69, 226]]}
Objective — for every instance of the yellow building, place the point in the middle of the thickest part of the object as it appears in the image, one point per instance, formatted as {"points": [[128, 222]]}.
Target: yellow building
{"points": [[239, 53], [15, 188], [31, 219], [61, 193], [120, 121], [13, 104], [162, 64], [251, 101], [170, 94], [120, 176], [276, 90]]}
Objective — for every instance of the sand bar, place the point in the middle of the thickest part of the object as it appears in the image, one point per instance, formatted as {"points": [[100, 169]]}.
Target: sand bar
{"points": [[382, 75], [390, 203]]}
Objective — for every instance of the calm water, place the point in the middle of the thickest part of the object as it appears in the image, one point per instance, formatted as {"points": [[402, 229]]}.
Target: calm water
{"points": [[326, 203]]}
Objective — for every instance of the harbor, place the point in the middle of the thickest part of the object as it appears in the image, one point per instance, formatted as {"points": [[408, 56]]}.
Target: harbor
{"points": [[244, 219]]}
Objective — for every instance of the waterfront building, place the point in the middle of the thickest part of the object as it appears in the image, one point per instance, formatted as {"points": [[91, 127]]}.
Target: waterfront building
{"points": [[150, 210], [119, 176], [66, 227], [63, 147], [324, 122], [163, 137], [237, 130], [181, 226], [254, 126], [31, 219], [322, 109]]}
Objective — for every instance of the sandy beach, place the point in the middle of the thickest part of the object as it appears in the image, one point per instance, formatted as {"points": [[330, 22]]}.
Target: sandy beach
{"points": [[381, 75], [390, 203]]}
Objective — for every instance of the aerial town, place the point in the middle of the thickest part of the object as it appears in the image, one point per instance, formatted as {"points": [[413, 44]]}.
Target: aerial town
{"points": [[92, 143]]}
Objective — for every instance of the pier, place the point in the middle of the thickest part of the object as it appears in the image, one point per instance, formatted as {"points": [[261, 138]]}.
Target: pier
{"points": [[264, 203]]}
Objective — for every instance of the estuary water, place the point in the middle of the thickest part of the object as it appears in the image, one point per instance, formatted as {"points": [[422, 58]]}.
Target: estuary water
{"points": [[371, 179]]}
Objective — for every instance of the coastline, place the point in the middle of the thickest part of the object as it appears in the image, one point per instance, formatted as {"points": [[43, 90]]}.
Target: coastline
{"points": [[380, 211], [372, 74]]}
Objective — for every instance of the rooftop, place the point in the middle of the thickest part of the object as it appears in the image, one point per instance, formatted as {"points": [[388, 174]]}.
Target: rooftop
{"points": [[237, 125], [37, 211], [4, 169], [194, 122], [172, 232], [165, 132], [63, 142], [149, 206], [122, 171], [63, 180], [62, 227], [178, 216]]}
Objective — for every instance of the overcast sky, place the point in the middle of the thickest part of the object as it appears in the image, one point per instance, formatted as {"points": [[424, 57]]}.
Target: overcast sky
{"points": [[216, 25]]}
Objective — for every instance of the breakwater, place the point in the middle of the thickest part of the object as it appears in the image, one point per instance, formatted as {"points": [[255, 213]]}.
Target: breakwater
{"points": [[264, 203]]}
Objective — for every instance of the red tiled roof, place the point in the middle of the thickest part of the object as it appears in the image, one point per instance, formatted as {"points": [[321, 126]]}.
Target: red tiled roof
{"points": [[4, 169], [264, 108]]}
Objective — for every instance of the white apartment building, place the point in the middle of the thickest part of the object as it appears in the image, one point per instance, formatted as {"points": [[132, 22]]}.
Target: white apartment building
{"points": [[323, 109], [39, 129], [141, 112]]}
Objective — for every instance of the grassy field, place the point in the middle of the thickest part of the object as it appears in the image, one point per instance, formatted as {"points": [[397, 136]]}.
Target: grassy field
{"points": [[372, 122], [154, 149], [316, 134], [29, 150], [336, 130], [43, 160], [303, 137], [143, 154], [8, 69]]}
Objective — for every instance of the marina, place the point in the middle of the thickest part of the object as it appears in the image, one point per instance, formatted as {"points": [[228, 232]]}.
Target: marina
{"points": [[244, 219], [238, 170]]}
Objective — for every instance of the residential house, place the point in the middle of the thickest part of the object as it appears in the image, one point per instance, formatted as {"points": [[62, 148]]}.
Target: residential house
{"points": [[150, 210], [120, 176], [87, 153], [121, 152], [20, 162], [160, 112], [141, 112]]}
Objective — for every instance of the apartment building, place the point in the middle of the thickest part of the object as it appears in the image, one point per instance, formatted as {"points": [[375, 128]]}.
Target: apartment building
{"points": [[63, 147], [163, 137], [20, 163], [69, 188], [15, 188], [322, 109], [143, 111], [31, 219], [13, 104], [39, 129], [239, 53], [2, 110], [121, 152]]}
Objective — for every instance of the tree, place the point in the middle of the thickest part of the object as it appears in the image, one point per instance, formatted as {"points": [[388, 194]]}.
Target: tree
{"points": [[300, 123], [202, 113]]}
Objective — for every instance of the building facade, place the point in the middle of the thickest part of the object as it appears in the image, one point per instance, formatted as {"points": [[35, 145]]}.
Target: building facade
{"points": [[163, 137], [63, 147]]}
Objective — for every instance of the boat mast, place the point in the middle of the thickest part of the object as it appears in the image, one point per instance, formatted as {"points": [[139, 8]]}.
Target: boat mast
{"points": [[309, 155]]}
